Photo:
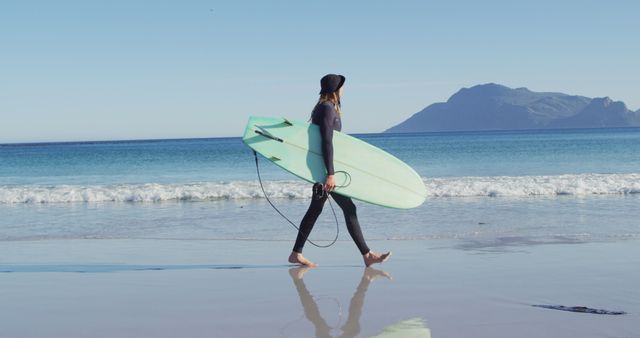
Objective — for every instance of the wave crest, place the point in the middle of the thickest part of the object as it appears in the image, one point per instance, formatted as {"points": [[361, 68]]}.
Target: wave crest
{"points": [[491, 186], [152, 192]]}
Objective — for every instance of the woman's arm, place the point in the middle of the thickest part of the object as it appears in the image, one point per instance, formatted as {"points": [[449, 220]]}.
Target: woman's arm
{"points": [[327, 117]]}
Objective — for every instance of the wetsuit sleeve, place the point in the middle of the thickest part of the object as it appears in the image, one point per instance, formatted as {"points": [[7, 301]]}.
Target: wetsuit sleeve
{"points": [[326, 119]]}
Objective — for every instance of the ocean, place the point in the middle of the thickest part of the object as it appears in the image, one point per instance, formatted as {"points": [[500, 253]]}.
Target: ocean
{"points": [[486, 190]]}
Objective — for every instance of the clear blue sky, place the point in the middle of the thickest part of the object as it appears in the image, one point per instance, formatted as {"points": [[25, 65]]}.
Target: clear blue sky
{"points": [[101, 70]]}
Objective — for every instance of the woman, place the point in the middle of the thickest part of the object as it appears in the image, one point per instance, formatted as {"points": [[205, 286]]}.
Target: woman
{"points": [[326, 114]]}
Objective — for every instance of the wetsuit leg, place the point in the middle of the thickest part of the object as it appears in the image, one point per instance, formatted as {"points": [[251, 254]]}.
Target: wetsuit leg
{"points": [[308, 221], [351, 218]]}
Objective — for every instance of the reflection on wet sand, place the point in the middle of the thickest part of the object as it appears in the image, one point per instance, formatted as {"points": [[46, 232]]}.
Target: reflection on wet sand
{"points": [[407, 328]]}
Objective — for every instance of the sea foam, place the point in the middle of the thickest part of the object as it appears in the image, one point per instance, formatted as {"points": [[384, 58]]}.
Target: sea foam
{"points": [[481, 186], [493, 186]]}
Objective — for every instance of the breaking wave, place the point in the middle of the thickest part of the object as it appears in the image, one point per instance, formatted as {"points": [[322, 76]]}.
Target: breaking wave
{"points": [[494, 186], [490, 186]]}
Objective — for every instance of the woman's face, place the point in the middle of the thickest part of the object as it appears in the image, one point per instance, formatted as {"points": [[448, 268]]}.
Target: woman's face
{"points": [[340, 91]]}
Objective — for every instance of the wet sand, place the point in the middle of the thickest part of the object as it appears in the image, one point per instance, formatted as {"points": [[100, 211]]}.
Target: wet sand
{"points": [[198, 288]]}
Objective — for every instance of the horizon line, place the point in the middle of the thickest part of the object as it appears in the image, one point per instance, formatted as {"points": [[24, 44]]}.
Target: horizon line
{"points": [[37, 143]]}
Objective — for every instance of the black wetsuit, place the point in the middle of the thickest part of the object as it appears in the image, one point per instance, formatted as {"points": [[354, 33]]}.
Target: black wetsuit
{"points": [[325, 116]]}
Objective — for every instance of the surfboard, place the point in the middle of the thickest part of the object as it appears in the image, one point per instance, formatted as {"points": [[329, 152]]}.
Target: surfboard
{"points": [[362, 171]]}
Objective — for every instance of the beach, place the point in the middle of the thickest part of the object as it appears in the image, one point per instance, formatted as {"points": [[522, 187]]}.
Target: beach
{"points": [[187, 284], [177, 288]]}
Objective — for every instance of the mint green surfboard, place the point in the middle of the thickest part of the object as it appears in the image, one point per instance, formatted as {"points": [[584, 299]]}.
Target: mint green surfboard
{"points": [[363, 172]]}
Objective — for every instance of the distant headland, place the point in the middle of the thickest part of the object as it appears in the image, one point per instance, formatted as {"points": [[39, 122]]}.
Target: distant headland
{"points": [[496, 107]]}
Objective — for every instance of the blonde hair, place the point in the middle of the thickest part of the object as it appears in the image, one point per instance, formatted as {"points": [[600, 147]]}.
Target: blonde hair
{"points": [[332, 97]]}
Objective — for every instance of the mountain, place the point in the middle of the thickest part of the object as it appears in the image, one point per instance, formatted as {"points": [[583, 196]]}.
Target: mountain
{"points": [[601, 112], [495, 107]]}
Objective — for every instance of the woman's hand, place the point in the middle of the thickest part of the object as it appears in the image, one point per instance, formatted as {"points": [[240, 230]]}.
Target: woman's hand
{"points": [[329, 183]]}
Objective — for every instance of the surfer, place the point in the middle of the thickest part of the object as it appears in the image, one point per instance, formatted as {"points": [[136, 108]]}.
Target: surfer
{"points": [[326, 114]]}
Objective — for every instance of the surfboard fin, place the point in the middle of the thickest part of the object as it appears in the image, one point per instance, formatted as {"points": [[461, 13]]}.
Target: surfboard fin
{"points": [[287, 122], [266, 134]]}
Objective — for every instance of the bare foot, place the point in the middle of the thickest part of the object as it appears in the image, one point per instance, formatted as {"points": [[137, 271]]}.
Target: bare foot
{"points": [[297, 273], [372, 274], [373, 258], [297, 258]]}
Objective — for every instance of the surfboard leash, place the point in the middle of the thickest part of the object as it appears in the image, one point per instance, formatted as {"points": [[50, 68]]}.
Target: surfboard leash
{"points": [[255, 155]]}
